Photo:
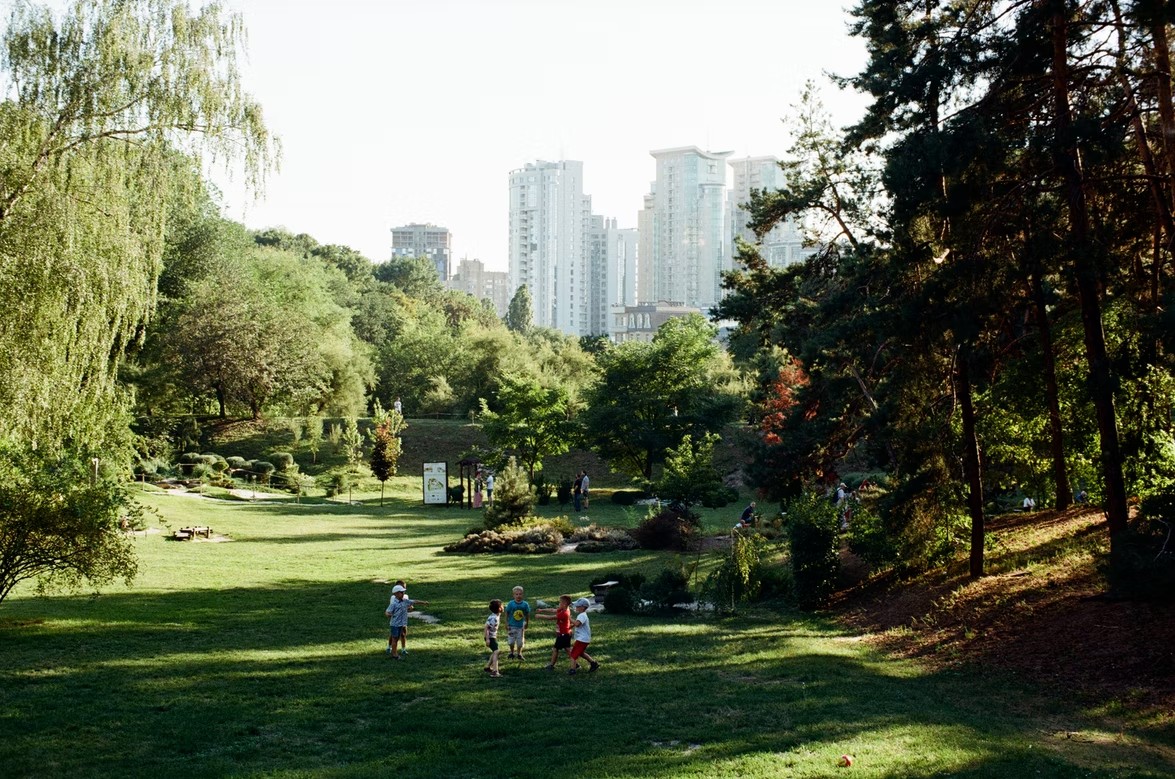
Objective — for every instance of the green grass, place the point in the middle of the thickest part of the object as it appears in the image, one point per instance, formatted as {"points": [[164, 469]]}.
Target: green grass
{"points": [[264, 657]]}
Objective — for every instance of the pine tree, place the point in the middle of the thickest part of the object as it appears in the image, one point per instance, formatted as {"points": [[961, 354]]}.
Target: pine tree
{"points": [[514, 497]]}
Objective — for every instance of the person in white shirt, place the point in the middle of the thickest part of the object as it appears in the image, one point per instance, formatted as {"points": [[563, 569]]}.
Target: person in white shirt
{"points": [[583, 637]]}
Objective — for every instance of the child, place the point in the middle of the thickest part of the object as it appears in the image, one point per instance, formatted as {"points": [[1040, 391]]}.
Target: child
{"points": [[517, 620], [583, 637], [562, 618], [491, 636], [411, 607], [398, 611]]}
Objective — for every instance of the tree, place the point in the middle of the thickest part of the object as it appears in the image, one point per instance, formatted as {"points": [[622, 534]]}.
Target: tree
{"points": [[314, 436], [385, 445], [113, 105], [352, 443], [61, 522], [690, 476], [529, 420], [651, 395], [519, 316], [514, 497]]}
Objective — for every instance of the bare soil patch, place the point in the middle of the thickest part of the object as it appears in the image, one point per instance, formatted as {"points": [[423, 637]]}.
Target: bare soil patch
{"points": [[1041, 613]]}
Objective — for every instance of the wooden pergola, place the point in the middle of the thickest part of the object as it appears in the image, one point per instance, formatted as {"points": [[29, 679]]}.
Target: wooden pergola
{"points": [[468, 469]]}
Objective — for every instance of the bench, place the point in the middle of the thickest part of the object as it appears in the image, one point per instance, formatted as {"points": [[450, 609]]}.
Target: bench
{"points": [[601, 590], [187, 533]]}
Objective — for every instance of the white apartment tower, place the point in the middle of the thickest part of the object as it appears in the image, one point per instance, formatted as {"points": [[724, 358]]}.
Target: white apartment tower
{"points": [[783, 244], [549, 220], [425, 240], [688, 218]]}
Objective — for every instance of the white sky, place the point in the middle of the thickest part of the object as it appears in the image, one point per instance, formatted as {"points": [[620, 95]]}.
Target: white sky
{"points": [[393, 112]]}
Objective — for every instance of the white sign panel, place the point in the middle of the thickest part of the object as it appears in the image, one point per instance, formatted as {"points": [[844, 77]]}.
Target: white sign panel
{"points": [[436, 484]]}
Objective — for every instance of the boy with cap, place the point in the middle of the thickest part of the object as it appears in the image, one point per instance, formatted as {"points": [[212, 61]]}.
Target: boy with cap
{"points": [[583, 637], [397, 610]]}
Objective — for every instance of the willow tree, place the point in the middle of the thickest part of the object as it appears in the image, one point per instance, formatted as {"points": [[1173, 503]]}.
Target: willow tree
{"points": [[110, 112]]}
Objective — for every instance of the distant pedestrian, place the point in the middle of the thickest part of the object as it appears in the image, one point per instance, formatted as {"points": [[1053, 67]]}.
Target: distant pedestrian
{"points": [[583, 489], [577, 491], [398, 407], [748, 516], [583, 637], [490, 488], [491, 636], [1028, 505]]}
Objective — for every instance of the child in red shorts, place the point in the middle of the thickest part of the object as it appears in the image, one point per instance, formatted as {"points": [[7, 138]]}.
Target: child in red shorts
{"points": [[562, 618], [583, 637]]}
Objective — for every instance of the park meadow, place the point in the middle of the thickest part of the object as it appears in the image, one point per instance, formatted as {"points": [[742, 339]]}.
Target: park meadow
{"points": [[259, 652]]}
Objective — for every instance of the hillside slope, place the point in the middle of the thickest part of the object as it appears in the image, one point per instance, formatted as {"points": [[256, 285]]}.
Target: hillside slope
{"points": [[1040, 613]]}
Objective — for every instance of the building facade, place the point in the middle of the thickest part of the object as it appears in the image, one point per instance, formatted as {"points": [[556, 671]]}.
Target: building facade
{"points": [[549, 220], [491, 285], [641, 322], [783, 244], [612, 271], [425, 240], [686, 213]]}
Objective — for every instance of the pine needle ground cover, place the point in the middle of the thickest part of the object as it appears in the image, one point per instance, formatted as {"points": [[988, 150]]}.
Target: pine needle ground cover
{"points": [[264, 655]]}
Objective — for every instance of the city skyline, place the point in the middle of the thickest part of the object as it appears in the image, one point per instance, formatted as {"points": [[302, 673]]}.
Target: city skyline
{"points": [[414, 113]]}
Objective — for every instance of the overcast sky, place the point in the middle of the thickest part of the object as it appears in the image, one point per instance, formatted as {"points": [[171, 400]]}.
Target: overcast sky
{"points": [[393, 112]]}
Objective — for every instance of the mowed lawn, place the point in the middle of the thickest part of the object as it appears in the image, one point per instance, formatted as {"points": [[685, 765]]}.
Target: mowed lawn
{"points": [[263, 656]]}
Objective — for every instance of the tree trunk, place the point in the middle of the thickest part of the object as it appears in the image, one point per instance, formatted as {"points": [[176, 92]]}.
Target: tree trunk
{"points": [[972, 470], [381, 493], [1052, 394], [1086, 272]]}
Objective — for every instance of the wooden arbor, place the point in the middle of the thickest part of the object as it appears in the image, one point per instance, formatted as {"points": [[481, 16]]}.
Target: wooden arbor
{"points": [[468, 469]]}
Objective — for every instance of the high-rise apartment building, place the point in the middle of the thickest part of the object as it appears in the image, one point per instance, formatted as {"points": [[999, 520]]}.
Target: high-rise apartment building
{"points": [[425, 240], [549, 221], [612, 271], [491, 285], [688, 220], [783, 244]]}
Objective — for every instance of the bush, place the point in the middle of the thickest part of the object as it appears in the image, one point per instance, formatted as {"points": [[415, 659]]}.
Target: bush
{"points": [[145, 467], [629, 497], [601, 539], [262, 469], [668, 529], [513, 497], [738, 578], [869, 540], [620, 600], [1143, 563], [236, 463], [218, 463], [669, 588], [529, 540], [563, 493], [629, 581], [543, 489], [282, 461], [813, 541], [201, 471], [337, 482]]}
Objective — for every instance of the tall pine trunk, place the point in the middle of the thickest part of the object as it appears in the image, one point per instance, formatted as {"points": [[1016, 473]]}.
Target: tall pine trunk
{"points": [[1086, 273], [972, 470], [1052, 394]]}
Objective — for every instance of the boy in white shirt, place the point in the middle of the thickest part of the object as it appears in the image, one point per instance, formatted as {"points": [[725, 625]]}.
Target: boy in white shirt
{"points": [[583, 637]]}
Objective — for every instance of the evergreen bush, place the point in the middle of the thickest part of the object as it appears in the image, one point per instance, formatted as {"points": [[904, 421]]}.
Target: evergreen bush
{"points": [[514, 497], [668, 529], [813, 541], [282, 461]]}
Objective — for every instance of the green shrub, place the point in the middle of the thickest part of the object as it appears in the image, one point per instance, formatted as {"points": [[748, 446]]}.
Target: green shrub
{"points": [[563, 493], [201, 471], [145, 467], [869, 540], [513, 497], [667, 590], [189, 458], [337, 482], [543, 489], [738, 579], [236, 463], [601, 539], [218, 463], [620, 600], [813, 541], [629, 497], [262, 469], [1143, 563], [668, 529], [630, 581], [282, 461]]}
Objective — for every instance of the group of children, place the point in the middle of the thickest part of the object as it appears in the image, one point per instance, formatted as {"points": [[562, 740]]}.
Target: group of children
{"points": [[572, 635], [571, 639]]}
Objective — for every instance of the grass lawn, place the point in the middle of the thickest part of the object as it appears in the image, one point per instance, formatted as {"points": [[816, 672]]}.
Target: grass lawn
{"points": [[263, 656]]}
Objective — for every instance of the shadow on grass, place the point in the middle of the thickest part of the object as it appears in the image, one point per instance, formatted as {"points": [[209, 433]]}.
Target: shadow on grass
{"points": [[291, 680]]}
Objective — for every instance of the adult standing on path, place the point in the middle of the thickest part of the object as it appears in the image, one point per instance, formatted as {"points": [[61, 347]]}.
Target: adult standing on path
{"points": [[583, 489], [577, 491]]}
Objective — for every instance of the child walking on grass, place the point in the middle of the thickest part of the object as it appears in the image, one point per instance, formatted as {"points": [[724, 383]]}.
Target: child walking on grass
{"points": [[412, 604], [491, 636], [583, 637], [562, 618]]}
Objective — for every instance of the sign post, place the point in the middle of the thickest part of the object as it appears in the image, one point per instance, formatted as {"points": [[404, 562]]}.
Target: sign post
{"points": [[436, 484]]}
